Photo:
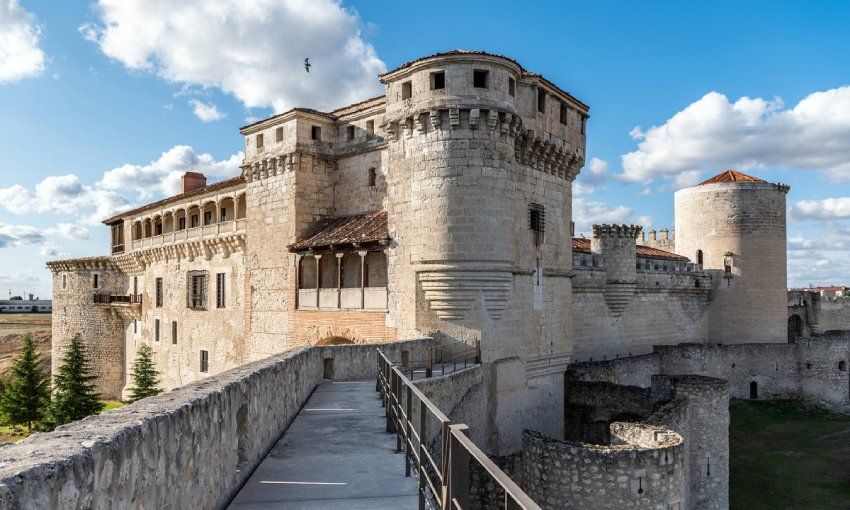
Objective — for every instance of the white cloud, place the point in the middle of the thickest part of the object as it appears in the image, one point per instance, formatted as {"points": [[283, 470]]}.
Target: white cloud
{"points": [[252, 49], [19, 235], [23, 283], [20, 55], [207, 112], [587, 213], [712, 134], [71, 231], [118, 189], [596, 173], [826, 209]]}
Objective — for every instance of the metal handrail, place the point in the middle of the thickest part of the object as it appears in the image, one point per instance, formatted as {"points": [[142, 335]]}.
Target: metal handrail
{"points": [[446, 484]]}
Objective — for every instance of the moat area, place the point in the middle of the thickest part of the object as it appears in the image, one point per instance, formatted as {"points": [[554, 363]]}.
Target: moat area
{"points": [[785, 454]]}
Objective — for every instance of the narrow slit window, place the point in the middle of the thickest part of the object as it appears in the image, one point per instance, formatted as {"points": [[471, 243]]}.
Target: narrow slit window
{"points": [[95, 281], [220, 290], [564, 111], [438, 80], [511, 86], [156, 330], [174, 332], [205, 361], [260, 141], [159, 292], [583, 125], [372, 177], [541, 100], [406, 90]]}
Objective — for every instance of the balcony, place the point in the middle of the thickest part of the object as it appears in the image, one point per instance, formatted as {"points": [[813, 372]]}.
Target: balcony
{"points": [[103, 298], [362, 298], [213, 230]]}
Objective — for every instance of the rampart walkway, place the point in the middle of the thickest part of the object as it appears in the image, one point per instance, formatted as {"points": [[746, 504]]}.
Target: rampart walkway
{"points": [[335, 454]]}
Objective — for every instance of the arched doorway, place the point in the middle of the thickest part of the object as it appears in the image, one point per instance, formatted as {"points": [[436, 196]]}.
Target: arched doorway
{"points": [[699, 257], [335, 340], [795, 328], [754, 390]]}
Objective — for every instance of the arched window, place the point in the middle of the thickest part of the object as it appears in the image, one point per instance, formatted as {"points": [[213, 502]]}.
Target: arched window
{"points": [[699, 257]]}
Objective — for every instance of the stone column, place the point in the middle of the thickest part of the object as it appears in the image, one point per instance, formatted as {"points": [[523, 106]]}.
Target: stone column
{"points": [[339, 280], [318, 278], [362, 278]]}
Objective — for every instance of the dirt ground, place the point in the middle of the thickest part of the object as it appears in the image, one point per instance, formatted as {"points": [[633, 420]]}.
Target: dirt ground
{"points": [[13, 327]]}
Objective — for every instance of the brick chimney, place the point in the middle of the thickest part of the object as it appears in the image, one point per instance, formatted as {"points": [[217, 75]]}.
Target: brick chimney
{"points": [[193, 181]]}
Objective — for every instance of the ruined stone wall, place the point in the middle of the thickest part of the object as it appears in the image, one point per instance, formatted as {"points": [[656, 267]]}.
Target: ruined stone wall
{"points": [[100, 326], [147, 454], [665, 308], [219, 331], [644, 470]]}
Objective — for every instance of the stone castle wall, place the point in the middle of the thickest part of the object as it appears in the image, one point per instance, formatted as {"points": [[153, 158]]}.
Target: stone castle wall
{"points": [[100, 326]]}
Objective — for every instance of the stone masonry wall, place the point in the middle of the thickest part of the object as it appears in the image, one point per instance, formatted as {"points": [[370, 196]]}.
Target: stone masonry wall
{"points": [[360, 326], [189, 448]]}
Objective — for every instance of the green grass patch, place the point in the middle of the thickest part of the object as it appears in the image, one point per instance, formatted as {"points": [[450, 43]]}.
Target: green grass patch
{"points": [[112, 404], [786, 454]]}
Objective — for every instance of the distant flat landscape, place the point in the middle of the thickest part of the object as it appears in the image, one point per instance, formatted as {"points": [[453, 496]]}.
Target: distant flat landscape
{"points": [[13, 327], [785, 454]]}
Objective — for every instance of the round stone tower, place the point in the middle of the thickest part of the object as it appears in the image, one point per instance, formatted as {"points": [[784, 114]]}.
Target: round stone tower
{"points": [[734, 225], [481, 158]]}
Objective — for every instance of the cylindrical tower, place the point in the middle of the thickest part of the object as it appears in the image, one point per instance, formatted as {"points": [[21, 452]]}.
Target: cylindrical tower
{"points": [[734, 225], [481, 158]]}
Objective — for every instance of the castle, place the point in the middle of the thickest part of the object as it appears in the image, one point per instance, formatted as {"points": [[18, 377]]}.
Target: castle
{"points": [[443, 209]]}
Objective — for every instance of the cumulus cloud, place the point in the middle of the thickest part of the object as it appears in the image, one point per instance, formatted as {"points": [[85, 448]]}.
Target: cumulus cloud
{"points": [[825, 210], [18, 235], [71, 231], [20, 55], [207, 112], [595, 173], [119, 188], [713, 133], [252, 49], [587, 213]]}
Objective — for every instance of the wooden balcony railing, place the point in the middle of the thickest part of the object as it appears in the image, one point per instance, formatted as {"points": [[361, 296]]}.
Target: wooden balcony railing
{"points": [[103, 298]]}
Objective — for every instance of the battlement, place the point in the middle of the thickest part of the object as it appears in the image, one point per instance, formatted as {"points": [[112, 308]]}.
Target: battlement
{"points": [[620, 231]]}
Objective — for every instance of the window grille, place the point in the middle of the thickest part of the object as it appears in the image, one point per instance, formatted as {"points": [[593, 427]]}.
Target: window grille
{"points": [[205, 361], [196, 287], [159, 292], [219, 291], [537, 222]]}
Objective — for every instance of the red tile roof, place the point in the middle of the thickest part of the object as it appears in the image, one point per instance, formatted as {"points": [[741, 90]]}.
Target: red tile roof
{"points": [[731, 176], [366, 228], [216, 186], [582, 245]]}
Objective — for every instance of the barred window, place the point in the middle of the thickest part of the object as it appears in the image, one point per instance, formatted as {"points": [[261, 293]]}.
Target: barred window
{"points": [[219, 290], [196, 287], [205, 361], [159, 292], [537, 221]]}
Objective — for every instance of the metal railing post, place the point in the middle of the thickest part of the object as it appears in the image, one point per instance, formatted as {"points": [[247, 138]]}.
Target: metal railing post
{"points": [[458, 469], [399, 426], [422, 410], [407, 441]]}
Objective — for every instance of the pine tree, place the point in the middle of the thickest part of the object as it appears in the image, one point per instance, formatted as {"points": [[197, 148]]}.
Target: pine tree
{"points": [[74, 394], [25, 398], [145, 376]]}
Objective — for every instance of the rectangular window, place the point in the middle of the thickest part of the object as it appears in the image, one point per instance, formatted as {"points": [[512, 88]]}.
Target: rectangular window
{"points": [[207, 217], [159, 292], [95, 281], [537, 221], [349, 132], [219, 290], [181, 223], [64, 281], [197, 290], [511, 86], [174, 332], [438, 80], [406, 90], [135, 326], [223, 214], [541, 100], [479, 78], [205, 361], [135, 285], [370, 127], [195, 222], [278, 134], [156, 330], [260, 141], [316, 133], [157, 229], [564, 113], [372, 177]]}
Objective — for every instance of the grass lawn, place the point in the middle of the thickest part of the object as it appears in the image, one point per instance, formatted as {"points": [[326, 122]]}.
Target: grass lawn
{"points": [[785, 454], [15, 434]]}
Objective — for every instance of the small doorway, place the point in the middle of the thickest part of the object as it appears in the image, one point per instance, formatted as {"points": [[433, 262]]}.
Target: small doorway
{"points": [[328, 368], [754, 390], [795, 328]]}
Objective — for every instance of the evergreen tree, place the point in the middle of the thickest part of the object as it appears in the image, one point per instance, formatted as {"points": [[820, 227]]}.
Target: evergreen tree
{"points": [[25, 398], [145, 376], [74, 394]]}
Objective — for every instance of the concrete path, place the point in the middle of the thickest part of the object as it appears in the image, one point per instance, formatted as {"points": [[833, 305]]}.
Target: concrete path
{"points": [[336, 454]]}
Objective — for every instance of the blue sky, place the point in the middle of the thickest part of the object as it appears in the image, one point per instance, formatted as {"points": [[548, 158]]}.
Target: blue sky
{"points": [[104, 103]]}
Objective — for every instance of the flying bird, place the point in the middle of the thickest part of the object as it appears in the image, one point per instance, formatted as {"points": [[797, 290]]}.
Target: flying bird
{"points": [[307, 64]]}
